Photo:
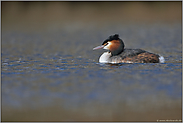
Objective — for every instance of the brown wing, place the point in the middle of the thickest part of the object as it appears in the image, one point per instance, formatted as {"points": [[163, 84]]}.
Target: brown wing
{"points": [[145, 57], [136, 56]]}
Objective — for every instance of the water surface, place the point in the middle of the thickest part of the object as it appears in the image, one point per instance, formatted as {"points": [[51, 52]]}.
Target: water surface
{"points": [[55, 75]]}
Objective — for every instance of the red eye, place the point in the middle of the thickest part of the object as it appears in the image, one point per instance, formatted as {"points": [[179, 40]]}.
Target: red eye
{"points": [[105, 44]]}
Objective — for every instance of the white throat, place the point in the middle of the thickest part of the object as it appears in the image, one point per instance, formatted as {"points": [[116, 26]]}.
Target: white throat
{"points": [[104, 58]]}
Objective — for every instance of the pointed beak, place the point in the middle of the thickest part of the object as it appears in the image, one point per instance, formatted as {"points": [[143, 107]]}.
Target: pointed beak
{"points": [[98, 47]]}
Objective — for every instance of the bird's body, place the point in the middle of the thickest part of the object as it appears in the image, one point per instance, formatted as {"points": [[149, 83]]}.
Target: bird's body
{"points": [[118, 54]]}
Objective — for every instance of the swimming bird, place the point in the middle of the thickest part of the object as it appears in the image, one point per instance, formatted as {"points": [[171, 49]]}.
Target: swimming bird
{"points": [[117, 53]]}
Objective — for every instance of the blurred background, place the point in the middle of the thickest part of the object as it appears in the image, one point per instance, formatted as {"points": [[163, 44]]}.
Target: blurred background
{"points": [[50, 72], [41, 15]]}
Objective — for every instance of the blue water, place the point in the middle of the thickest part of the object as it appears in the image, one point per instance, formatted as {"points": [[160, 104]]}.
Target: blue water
{"points": [[59, 69]]}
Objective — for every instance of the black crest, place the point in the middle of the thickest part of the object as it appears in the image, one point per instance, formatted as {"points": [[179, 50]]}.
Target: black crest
{"points": [[112, 37], [120, 47]]}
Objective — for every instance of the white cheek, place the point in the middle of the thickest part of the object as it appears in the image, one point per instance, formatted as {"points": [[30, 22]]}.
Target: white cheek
{"points": [[107, 46]]}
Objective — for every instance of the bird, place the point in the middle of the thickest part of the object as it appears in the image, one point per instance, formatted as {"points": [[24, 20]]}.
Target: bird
{"points": [[117, 53]]}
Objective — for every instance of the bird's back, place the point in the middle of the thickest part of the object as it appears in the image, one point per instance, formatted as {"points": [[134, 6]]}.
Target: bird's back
{"points": [[135, 56]]}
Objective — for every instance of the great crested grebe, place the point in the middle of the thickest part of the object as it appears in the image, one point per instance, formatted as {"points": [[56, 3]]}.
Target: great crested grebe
{"points": [[118, 54]]}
